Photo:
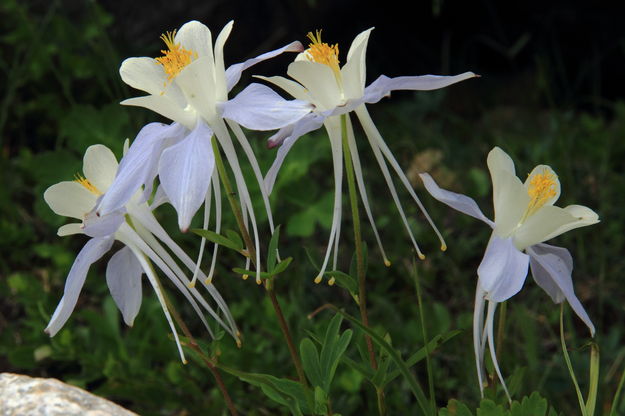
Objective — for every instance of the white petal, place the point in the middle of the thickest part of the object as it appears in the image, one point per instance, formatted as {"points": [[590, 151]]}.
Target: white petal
{"points": [[305, 125], [185, 171], [583, 216], [498, 159], [220, 72], [457, 201], [382, 86], [552, 268], [320, 82], [196, 37], [139, 166], [123, 277], [70, 199], [166, 107], [90, 253], [144, 74], [95, 225], [233, 73], [503, 269], [99, 166], [510, 200], [354, 71], [542, 169], [197, 82], [69, 229], [543, 225], [360, 39], [291, 87], [258, 107]]}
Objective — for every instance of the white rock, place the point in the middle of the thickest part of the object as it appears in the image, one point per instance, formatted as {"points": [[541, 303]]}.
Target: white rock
{"points": [[28, 396]]}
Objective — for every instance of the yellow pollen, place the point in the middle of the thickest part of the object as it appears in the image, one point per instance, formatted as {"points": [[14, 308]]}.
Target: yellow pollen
{"points": [[175, 58], [322, 53], [542, 188], [87, 185], [331, 281], [387, 262], [318, 279]]}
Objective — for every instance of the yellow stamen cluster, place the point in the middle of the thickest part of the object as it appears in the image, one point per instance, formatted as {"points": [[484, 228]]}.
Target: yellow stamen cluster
{"points": [[323, 53], [87, 185], [175, 58], [542, 187]]}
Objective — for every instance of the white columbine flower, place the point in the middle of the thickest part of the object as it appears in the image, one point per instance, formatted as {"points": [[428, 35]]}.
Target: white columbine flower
{"points": [[137, 229], [188, 85], [525, 217], [330, 91]]}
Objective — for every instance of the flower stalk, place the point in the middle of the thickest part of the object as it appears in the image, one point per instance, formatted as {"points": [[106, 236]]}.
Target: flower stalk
{"points": [[360, 260], [207, 360], [225, 181]]}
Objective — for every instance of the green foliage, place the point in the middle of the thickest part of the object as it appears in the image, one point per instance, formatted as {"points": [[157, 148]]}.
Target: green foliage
{"points": [[533, 405], [62, 93]]}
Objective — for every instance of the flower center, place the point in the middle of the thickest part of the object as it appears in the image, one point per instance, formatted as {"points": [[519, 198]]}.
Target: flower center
{"points": [[87, 185], [322, 53], [175, 58], [542, 187]]}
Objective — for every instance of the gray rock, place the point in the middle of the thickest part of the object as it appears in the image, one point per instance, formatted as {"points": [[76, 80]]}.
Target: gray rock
{"points": [[28, 396]]}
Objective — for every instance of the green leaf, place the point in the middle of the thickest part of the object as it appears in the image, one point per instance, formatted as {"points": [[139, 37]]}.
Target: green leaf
{"points": [[534, 405], [272, 253], [241, 271], [395, 356], [333, 348], [345, 281], [282, 266], [437, 341], [455, 408], [310, 362], [286, 392], [235, 238], [490, 408], [217, 238]]}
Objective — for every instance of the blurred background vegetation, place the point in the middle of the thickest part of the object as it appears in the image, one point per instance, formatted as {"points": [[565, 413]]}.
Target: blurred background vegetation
{"points": [[550, 92]]}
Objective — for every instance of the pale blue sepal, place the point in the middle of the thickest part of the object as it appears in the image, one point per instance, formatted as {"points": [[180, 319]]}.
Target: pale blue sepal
{"points": [[90, 253], [457, 201], [287, 138], [258, 107], [185, 172], [503, 269], [552, 268], [233, 73], [383, 85], [123, 277], [139, 166], [95, 225]]}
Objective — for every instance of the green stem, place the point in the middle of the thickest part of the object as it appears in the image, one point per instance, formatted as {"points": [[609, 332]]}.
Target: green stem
{"points": [[428, 361], [360, 260], [195, 347], [617, 395], [251, 252], [580, 398]]}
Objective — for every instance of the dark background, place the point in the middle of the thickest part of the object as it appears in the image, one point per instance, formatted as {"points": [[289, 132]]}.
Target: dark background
{"points": [[550, 91]]}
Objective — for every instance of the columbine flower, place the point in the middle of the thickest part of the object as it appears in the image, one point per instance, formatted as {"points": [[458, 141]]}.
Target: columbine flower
{"points": [[524, 217], [332, 91], [134, 226], [188, 85]]}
